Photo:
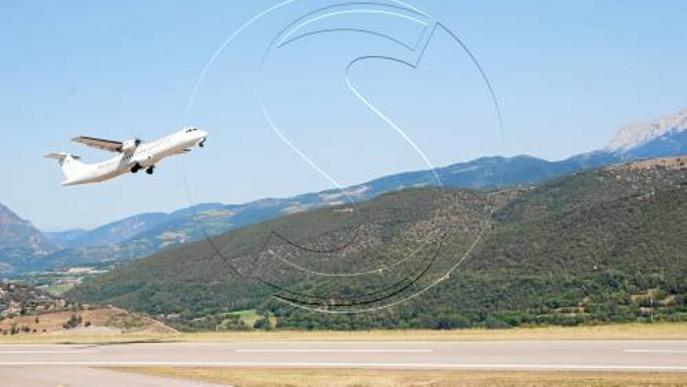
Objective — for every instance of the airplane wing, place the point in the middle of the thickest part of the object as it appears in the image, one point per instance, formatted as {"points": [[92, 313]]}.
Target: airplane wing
{"points": [[106, 145]]}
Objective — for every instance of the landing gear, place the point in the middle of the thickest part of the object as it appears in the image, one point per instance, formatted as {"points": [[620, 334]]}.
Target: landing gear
{"points": [[135, 168], [202, 143], [150, 170]]}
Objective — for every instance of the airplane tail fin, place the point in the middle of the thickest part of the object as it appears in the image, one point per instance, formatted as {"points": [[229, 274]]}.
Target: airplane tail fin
{"points": [[70, 164]]}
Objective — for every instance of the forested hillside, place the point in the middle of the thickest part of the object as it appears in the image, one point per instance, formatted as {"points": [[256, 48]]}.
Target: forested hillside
{"points": [[598, 246]]}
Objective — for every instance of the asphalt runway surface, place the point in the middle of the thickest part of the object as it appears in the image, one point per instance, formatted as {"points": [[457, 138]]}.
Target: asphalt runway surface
{"points": [[76, 365]]}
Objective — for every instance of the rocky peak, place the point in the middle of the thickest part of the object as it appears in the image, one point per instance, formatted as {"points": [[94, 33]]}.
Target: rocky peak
{"points": [[7, 217], [634, 135], [16, 232]]}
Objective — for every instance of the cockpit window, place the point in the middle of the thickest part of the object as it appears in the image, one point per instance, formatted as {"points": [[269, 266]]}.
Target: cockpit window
{"points": [[191, 130]]}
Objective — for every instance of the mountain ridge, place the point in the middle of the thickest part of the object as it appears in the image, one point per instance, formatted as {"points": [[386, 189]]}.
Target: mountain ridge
{"points": [[584, 248], [641, 133], [20, 242], [144, 234], [638, 140]]}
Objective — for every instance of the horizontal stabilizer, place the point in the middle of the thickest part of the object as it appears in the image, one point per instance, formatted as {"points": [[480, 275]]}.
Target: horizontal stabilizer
{"points": [[60, 156], [70, 164]]}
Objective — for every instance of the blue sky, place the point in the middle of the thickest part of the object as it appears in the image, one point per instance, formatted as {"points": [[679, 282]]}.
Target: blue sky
{"points": [[567, 75]]}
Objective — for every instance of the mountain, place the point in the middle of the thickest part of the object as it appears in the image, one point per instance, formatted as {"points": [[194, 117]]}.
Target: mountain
{"points": [[639, 134], [119, 231], [149, 233], [191, 224], [595, 246], [19, 233], [64, 238], [20, 242], [669, 144]]}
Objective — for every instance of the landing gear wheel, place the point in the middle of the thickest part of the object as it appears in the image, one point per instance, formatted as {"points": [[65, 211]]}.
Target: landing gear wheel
{"points": [[150, 170], [135, 168]]}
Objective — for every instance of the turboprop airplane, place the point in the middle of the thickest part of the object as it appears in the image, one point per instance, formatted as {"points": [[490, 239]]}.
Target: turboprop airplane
{"points": [[134, 155]]}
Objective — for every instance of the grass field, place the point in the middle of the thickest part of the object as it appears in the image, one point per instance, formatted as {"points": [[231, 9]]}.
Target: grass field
{"points": [[253, 377], [249, 317], [59, 289], [658, 331]]}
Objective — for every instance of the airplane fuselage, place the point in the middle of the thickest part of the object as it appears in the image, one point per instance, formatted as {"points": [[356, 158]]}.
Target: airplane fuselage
{"points": [[143, 156]]}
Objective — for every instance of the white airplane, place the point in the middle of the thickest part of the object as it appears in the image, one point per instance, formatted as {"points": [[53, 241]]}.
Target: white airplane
{"points": [[134, 155]]}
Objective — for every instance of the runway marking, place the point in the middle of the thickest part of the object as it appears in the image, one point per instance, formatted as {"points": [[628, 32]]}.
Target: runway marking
{"points": [[626, 343], [595, 367], [334, 350], [45, 352]]}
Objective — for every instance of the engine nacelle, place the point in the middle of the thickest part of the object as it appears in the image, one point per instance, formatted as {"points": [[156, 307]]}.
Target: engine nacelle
{"points": [[130, 145]]}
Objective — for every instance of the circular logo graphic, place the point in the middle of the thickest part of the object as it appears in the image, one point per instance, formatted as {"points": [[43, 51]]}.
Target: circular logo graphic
{"points": [[328, 92]]}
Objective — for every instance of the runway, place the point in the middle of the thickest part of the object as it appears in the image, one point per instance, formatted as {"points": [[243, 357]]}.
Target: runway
{"points": [[511, 355], [633, 356]]}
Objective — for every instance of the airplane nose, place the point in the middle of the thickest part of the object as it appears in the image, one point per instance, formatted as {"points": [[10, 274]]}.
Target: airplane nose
{"points": [[202, 136]]}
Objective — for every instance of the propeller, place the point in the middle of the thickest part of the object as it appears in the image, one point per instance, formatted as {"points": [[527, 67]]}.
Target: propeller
{"points": [[138, 139]]}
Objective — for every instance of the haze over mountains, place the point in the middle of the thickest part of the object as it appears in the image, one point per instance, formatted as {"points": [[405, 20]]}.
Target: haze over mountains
{"points": [[23, 248], [21, 244]]}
